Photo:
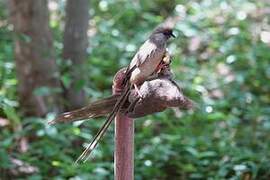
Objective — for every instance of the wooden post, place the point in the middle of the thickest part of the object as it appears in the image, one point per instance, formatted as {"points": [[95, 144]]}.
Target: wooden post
{"points": [[124, 148], [124, 137]]}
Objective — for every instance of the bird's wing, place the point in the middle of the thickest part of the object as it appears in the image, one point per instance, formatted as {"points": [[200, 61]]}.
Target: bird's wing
{"points": [[144, 53]]}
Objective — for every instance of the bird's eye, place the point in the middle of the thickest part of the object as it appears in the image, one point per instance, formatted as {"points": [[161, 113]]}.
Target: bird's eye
{"points": [[167, 33]]}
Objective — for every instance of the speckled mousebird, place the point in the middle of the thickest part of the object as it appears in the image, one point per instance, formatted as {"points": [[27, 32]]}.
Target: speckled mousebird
{"points": [[144, 64]]}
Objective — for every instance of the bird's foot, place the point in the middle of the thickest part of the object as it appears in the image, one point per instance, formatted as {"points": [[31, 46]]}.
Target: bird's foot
{"points": [[138, 91]]}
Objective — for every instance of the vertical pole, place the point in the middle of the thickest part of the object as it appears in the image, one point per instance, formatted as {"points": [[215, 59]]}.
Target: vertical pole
{"points": [[124, 148], [124, 138]]}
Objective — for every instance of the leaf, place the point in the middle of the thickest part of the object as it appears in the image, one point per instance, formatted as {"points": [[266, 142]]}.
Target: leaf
{"points": [[12, 115]]}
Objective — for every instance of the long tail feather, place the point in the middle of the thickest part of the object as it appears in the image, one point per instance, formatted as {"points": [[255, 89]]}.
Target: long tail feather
{"points": [[96, 109], [86, 153]]}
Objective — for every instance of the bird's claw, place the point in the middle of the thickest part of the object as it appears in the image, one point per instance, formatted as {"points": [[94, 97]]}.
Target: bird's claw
{"points": [[138, 91]]}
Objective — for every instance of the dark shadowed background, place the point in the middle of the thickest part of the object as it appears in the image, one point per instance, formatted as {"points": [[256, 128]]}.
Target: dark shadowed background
{"points": [[58, 55]]}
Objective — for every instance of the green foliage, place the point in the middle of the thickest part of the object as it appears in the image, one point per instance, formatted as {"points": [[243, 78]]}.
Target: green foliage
{"points": [[220, 58]]}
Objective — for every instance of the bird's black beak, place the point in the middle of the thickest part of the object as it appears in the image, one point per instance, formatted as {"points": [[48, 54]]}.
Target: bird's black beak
{"points": [[172, 35]]}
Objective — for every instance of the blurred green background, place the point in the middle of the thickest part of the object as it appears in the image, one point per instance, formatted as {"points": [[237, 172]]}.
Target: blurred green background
{"points": [[221, 60]]}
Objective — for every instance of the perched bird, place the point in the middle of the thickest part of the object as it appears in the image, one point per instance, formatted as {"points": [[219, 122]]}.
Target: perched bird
{"points": [[145, 62]]}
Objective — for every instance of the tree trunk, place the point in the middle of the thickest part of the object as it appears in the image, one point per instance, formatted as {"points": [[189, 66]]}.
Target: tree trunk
{"points": [[38, 83], [75, 44]]}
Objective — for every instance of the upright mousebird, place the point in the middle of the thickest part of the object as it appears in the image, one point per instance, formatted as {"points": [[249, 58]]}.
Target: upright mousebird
{"points": [[149, 56], [145, 62]]}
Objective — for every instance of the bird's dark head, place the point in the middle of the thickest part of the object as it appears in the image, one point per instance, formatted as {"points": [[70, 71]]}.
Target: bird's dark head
{"points": [[166, 31]]}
